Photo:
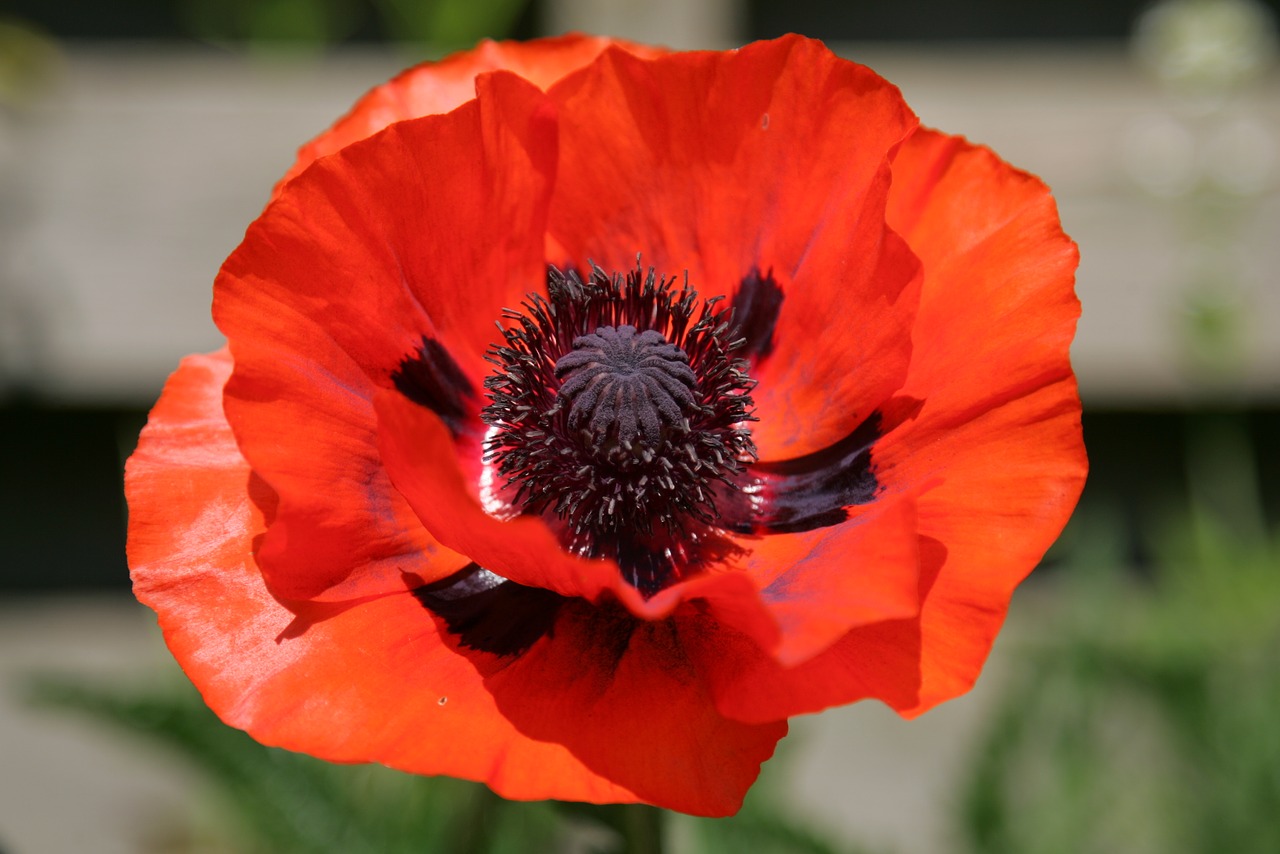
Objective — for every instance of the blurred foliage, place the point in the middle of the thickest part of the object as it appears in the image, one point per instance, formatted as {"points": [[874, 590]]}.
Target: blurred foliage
{"points": [[271, 800], [314, 24], [761, 832], [1206, 44], [28, 59], [1144, 719], [272, 23], [449, 23]]}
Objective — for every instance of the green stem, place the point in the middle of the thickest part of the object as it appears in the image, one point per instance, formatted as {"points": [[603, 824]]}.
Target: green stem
{"points": [[642, 829], [477, 822]]}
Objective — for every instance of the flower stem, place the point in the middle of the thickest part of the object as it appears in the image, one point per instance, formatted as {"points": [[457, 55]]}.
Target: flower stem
{"points": [[477, 821], [642, 829]]}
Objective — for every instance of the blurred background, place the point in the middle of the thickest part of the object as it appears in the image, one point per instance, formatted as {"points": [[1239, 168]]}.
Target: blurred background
{"points": [[1129, 706]]}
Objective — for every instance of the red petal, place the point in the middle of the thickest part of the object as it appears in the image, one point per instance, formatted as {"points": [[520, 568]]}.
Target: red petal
{"points": [[433, 88], [185, 457], [982, 529], [1010, 480], [998, 311], [375, 680], [339, 281], [415, 446], [417, 451], [994, 451], [773, 158], [625, 696], [878, 661], [847, 601], [820, 584], [1000, 427]]}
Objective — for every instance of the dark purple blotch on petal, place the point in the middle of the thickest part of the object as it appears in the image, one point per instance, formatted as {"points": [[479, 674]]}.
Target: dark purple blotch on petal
{"points": [[432, 378], [812, 491], [487, 612], [756, 306]]}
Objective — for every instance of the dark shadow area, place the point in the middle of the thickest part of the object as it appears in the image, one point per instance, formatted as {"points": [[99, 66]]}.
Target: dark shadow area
{"points": [[947, 21], [360, 21], [62, 509]]}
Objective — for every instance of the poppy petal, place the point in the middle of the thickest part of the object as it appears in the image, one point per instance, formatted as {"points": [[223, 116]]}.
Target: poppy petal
{"points": [[990, 439], [418, 454], [393, 687], [416, 449], [265, 668], [999, 430], [322, 304], [819, 585], [188, 433], [434, 88], [623, 694], [814, 491], [877, 661], [770, 163], [1013, 477]]}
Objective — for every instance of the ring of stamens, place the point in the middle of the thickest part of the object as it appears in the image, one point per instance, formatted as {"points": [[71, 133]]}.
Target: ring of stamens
{"points": [[618, 412]]}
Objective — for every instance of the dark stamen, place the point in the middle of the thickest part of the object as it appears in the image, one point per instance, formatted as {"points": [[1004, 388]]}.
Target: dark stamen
{"points": [[618, 412]]}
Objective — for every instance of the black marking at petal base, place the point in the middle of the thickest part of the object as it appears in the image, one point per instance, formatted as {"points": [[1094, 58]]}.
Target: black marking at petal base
{"points": [[431, 378], [489, 613], [813, 491], [612, 629], [756, 306]]}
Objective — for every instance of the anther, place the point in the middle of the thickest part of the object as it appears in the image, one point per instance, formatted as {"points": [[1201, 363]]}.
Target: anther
{"points": [[618, 411]]}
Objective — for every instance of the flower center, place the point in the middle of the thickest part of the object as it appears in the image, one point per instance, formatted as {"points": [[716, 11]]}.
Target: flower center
{"points": [[629, 394], [619, 414]]}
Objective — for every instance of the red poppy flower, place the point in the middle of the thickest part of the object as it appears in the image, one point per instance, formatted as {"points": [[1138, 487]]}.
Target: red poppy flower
{"points": [[798, 455]]}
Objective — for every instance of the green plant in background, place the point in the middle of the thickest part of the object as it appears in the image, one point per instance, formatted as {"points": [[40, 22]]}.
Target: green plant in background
{"points": [[28, 59], [1146, 720], [435, 25], [448, 23], [272, 800], [1217, 167], [297, 24]]}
